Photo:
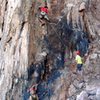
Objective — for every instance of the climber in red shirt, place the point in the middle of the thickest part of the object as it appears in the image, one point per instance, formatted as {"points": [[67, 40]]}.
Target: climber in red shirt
{"points": [[43, 14], [43, 9]]}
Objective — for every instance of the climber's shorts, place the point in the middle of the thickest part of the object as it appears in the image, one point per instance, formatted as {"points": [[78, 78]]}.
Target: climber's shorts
{"points": [[43, 15], [79, 67]]}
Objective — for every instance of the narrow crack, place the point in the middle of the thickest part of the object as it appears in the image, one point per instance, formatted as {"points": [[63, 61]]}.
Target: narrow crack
{"points": [[6, 5]]}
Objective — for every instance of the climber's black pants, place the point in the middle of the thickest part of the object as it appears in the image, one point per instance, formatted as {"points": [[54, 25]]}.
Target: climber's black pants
{"points": [[79, 67]]}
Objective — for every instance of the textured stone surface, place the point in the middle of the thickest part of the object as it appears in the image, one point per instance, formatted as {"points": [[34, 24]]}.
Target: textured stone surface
{"points": [[13, 47], [83, 96], [98, 94]]}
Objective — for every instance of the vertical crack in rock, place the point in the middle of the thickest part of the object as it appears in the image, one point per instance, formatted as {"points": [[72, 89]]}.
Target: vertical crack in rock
{"points": [[3, 25], [6, 4], [22, 26]]}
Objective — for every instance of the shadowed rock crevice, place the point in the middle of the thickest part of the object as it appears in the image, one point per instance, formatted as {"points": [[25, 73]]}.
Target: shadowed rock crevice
{"points": [[6, 4], [2, 25]]}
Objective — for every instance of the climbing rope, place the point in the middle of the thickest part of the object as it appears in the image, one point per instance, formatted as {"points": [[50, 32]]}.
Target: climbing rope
{"points": [[62, 42]]}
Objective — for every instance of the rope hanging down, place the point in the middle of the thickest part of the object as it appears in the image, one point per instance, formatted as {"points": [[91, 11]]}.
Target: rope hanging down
{"points": [[62, 42]]}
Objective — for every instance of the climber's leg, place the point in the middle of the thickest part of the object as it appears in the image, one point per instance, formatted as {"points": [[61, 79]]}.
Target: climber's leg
{"points": [[79, 72], [41, 19], [46, 17]]}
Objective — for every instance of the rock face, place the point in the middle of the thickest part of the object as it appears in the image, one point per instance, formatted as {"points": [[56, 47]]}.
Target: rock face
{"points": [[31, 54], [14, 35]]}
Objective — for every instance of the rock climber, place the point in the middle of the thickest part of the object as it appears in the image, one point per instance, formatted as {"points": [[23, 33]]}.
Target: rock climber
{"points": [[32, 91], [43, 14], [79, 64]]}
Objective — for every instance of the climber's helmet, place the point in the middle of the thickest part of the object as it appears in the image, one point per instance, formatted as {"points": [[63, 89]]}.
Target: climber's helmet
{"points": [[77, 52]]}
